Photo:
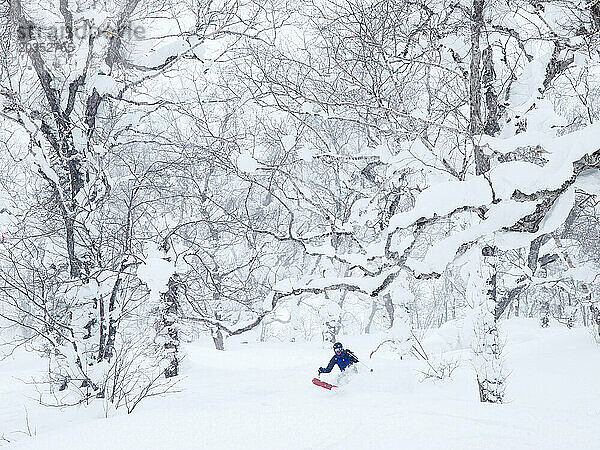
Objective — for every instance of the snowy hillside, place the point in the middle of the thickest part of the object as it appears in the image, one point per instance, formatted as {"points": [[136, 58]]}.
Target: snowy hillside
{"points": [[199, 199], [259, 396]]}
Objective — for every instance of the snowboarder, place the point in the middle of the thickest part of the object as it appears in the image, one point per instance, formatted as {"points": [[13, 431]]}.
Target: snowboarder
{"points": [[343, 358]]}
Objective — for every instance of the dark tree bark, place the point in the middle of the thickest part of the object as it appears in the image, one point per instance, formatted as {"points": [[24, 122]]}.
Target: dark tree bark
{"points": [[217, 336], [556, 66], [491, 100], [389, 307], [371, 316], [169, 312], [595, 312], [482, 161]]}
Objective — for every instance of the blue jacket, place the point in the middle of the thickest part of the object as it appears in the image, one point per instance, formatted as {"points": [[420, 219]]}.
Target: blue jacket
{"points": [[343, 360]]}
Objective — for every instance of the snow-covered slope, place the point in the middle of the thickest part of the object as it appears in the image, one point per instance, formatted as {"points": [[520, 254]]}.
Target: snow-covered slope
{"points": [[260, 396]]}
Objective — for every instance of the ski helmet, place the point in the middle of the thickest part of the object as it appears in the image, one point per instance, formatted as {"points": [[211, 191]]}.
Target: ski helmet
{"points": [[338, 345]]}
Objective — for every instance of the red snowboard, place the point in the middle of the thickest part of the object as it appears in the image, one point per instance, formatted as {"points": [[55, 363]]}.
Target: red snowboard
{"points": [[323, 384]]}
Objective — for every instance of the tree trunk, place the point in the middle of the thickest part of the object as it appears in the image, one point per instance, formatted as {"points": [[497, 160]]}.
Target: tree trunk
{"points": [[595, 312], [371, 316], [488, 347], [217, 336], [389, 307], [491, 126], [482, 162], [169, 309]]}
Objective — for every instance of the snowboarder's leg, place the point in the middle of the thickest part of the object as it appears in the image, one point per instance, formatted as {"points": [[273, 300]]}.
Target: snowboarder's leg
{"points": [[345, 377]]}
